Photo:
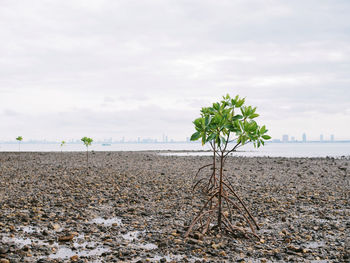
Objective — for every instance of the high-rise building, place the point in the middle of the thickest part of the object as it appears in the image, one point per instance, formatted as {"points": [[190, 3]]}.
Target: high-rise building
{"points": [[304, 137], [285, 138], [321, 138], [332, 137]]}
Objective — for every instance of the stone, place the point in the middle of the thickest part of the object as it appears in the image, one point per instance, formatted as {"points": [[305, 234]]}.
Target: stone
{"points": [[66, 238]]}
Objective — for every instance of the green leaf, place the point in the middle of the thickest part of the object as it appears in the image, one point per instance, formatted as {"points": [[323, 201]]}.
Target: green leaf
{"points": [[266, 137], [211, 137], [203, 139], [237, 117], [233, 103], [240, 102], [207, 120], [198, 122], [195, 136], [216, 106], [254, 115]]}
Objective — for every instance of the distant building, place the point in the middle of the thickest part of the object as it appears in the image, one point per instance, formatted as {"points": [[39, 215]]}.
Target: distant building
{"points": [[292, 139], [321, 138], [285, 138], [304, 137], [332, 137], [276, 140]]}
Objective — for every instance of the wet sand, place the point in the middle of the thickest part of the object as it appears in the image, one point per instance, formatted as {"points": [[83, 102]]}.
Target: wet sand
{"points": [[136, 206]]}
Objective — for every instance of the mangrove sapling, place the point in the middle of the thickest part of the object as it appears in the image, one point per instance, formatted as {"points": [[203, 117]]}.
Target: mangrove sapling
{"points": [[62, 143], [226, 125], [19, 139], [87, 142]]}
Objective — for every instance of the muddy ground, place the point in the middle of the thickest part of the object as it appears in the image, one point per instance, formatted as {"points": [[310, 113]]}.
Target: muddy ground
{"points": [[136, 207]]}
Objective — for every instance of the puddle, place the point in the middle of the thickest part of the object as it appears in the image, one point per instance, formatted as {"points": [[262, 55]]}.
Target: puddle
{"points": [[107, 222], [80, 248], [21, 242], [171, 258], [147, 246], [132, 235], [65, 252], [29, 229]]}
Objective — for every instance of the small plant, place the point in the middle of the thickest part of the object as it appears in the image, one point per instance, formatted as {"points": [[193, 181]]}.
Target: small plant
{"points": [[62, 144], [87, 142], [19, 139], [226, 125]]}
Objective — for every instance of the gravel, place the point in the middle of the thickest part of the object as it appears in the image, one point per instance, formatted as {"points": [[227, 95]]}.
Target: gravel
{"points": [[136, 207]]}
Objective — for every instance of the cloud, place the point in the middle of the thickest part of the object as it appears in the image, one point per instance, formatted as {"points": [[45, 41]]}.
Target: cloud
{"points": [[10, 113], [108, 62]]}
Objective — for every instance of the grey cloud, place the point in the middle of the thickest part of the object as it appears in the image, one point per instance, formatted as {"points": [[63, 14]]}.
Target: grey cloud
{"points": [[10, 113], [291, 57], [107, 99]]}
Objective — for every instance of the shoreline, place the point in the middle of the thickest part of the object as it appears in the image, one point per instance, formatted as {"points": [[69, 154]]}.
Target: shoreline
{"points": [[178, 153]]}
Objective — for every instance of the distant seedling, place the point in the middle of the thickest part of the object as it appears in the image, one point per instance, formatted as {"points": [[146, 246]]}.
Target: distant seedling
{"points": [[87, 142], [19, 139], [226, 125], [62, 144]]}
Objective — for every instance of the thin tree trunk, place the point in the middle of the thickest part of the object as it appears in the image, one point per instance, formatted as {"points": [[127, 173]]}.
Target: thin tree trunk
{"points": [[220, 191], [214, 165]]}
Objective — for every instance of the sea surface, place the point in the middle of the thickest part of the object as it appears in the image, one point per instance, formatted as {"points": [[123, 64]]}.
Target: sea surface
{"points": [[337, 149]]}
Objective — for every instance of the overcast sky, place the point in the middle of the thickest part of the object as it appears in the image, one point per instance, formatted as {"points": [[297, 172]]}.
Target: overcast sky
{"points": [[145, 68]]}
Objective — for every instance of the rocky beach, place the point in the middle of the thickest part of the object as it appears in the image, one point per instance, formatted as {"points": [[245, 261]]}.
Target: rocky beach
{"points": [[137, 206]]}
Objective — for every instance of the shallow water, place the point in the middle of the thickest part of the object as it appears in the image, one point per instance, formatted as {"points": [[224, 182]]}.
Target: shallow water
{"points": [[19, 241], [65, 252], [107, 222], [132, 235], [296, 150], [308, 149], [80, 247]]}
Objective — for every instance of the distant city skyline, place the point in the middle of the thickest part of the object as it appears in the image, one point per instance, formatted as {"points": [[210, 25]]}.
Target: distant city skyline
{"points": [[303, 138], [285, 138]]}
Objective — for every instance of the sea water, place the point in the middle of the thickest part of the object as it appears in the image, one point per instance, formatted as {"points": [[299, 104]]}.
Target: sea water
{"points": [[312, 149]]}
